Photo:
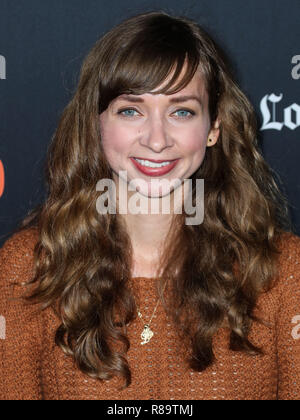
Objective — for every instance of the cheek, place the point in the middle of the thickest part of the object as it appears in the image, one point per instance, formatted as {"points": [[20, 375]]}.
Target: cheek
{"points": [[195, 142], [194, 148], [115, 141]]}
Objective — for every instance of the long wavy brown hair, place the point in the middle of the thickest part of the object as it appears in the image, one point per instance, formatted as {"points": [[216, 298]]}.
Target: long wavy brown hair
{"points": [[217, 270]]}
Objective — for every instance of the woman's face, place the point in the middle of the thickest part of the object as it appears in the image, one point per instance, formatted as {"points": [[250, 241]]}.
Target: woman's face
{"points": [[161, 128]]}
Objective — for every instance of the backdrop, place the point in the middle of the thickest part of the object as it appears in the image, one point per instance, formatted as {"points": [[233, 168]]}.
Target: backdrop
{"points": [[43, 44]]}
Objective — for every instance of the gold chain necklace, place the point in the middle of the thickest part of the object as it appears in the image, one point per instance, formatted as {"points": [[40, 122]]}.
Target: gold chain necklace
{"points": [[147, 333]]}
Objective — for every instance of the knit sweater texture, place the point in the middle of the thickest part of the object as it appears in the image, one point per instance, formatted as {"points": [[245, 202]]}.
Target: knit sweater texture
{"points": [[33, 367]]}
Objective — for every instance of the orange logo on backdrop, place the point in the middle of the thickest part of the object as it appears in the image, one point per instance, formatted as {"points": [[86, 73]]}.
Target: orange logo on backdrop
{"points": [[2, 178]]}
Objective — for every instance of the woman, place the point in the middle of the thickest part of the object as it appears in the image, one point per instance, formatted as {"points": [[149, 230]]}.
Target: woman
{"points": [[147, 306]]}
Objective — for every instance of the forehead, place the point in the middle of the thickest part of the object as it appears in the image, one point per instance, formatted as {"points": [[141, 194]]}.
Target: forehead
{"points": [[194, 90], [195, 85]]}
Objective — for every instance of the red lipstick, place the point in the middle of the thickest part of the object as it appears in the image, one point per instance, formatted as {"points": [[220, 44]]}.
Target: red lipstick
{"points": [[146, 170]]}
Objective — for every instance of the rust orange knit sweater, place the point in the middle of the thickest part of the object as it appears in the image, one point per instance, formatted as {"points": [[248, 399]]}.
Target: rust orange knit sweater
{"points": [[33, 367]]}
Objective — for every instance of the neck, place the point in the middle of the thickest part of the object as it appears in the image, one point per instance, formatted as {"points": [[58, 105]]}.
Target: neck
{"points": [[148, 229], [147, 232]]}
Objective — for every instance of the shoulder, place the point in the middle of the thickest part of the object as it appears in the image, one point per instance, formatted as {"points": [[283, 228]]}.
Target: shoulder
{"points": [[288, 284], [289, 243], [282, 298], [289, 259], [16, 256], [21, 240]]}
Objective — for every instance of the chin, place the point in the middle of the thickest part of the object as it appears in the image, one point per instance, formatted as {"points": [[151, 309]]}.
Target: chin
{"points": [[153, 193], [161, 190]]}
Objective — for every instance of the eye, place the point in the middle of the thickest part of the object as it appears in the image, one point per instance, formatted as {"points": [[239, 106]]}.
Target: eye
{"points": [[121, 111], [192, 113]]}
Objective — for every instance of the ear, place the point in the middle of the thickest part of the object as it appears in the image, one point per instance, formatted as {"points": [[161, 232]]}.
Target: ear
{"points": [[214, 134]]}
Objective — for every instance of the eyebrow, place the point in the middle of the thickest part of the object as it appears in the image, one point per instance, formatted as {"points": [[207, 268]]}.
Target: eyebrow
{"points": [[179, 99]]}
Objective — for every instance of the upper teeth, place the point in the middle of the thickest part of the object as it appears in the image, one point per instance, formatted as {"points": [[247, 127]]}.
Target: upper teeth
{"points": [[152, 164]]}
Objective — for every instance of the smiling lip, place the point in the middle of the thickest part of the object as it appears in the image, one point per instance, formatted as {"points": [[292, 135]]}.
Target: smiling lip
{"points": [[156, 161], [146, 170]]}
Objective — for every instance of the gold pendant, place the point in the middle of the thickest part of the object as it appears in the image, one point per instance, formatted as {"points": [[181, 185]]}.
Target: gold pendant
{"points": [[146, 335]]}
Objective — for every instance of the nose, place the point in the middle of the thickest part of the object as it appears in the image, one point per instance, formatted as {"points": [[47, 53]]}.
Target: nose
{"points": [[156, 135]]}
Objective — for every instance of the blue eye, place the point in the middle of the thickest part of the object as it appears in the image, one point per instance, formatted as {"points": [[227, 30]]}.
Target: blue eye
{"points": [[125, 110], [122, 111], [186, 110]]}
